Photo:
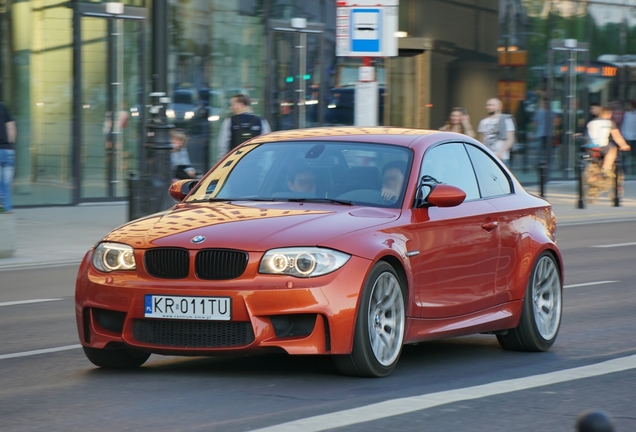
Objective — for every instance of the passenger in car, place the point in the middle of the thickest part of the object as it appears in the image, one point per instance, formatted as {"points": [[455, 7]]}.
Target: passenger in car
{"points": [[392, 179], [301, 179]]}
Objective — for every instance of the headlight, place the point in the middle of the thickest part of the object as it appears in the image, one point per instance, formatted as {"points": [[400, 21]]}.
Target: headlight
{"points": [[109, 257], [189, 115], [213, 118], [302, 261], [170, 113]]}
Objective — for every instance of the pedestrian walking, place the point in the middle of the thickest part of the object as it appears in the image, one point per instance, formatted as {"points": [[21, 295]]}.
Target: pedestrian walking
{"points": [[628, 130], [8, 134], [242, 126], [459, 121], [543, 127], [497, 130]]}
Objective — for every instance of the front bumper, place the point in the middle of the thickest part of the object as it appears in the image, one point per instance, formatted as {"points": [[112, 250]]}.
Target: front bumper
{"points": [[300, 316]]}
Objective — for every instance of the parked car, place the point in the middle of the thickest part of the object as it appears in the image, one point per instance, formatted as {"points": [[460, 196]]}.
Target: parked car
{"points": [[186, 110], [349, 242], [340, 107]]}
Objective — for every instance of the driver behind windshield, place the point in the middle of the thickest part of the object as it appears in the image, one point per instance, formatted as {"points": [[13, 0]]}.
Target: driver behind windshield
{"points": [[302, 180], [392, 179]]}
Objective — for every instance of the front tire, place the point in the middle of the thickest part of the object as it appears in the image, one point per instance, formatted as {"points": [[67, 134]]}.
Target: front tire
{"points": [[542, 308], [118, 358], [380, 326]]}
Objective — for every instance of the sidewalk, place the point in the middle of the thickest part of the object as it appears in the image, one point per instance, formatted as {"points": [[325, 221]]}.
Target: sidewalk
{"points": [[53, 236], [563, 196]]}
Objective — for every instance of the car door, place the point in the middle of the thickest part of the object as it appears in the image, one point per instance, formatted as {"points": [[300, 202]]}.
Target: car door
{"points": [[496, 188], [455, 270]]}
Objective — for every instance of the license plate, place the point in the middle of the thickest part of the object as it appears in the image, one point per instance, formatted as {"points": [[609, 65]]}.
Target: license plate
{"points": [[193, 308]]}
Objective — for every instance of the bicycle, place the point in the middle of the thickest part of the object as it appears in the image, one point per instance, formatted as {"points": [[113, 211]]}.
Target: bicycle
{"points": [[595, 181]]}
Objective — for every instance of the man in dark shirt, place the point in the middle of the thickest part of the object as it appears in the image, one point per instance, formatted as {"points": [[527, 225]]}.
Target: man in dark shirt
{"points": [[7, 157], [243, 125]]}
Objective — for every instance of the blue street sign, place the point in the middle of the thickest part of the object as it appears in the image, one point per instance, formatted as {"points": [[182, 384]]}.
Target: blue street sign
{"points": [[366, 30]]}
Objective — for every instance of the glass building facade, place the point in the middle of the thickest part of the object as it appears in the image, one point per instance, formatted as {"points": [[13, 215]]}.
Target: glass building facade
{"points": [[76, 77], [537, 67]]}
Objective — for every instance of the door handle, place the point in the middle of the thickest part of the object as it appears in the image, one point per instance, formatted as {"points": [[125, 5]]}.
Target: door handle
{"points": [[489, 226]]}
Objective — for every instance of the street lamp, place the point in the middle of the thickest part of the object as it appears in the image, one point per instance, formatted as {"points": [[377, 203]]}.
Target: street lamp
{"points": [[300, 24], [157, 169]]}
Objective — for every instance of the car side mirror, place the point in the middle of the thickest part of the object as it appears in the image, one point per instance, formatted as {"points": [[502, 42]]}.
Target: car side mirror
{"points": [[444, 195], [440, 195], [180, 189]]}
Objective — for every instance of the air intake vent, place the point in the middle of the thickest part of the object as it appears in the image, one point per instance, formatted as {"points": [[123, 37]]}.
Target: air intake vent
{"points": [[194, 334], [167, 263], [218, 264]]}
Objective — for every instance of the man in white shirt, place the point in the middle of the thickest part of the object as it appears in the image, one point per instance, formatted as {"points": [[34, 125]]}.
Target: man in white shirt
{"points": [[497, 131], [599, 132], [628, 130]]}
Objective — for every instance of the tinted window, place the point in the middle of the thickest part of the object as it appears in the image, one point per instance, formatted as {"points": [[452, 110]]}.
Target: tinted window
{"points": [[449, 164], [491, 178]]}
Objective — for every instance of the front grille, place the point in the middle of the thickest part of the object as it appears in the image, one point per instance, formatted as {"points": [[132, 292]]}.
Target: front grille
{"points": [[193, 334], [218, 264], [167, 263]]}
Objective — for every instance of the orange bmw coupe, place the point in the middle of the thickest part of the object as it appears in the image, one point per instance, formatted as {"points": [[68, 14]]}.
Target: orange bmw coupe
{"points": [[348, 242]]}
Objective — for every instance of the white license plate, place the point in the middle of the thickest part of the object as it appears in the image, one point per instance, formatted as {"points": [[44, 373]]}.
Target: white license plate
{"points": [[193, 308]]}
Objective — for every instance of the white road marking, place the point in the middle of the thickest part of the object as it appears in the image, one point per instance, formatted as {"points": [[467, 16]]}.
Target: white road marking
{"points": [[589, 284], [615, 245], [40, 351], [20, 302], [406, 405]]}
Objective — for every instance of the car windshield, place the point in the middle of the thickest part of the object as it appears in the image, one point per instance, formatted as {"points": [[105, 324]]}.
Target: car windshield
{"points": [[334, 172], [185, 98]]}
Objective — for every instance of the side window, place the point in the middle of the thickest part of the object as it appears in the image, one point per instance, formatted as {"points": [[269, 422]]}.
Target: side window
{"points": [[492, 180], [449, 164]]}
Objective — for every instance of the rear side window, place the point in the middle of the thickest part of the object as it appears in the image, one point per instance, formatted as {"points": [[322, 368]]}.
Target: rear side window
{"points": [[492, 180], [449, 164]]}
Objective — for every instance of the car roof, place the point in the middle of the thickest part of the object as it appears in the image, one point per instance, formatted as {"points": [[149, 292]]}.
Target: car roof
{"points": [[384, 135]]}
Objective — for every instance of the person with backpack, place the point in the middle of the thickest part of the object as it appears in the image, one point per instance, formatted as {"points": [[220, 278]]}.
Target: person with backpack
{"points": [[242, 126], [497, 131]]}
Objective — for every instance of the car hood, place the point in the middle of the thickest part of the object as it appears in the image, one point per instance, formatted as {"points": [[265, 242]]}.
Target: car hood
{"points": [[249, 226]]}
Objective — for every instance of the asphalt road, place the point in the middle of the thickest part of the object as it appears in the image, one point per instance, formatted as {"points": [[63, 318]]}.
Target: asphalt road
{"points": [[62, 391]]}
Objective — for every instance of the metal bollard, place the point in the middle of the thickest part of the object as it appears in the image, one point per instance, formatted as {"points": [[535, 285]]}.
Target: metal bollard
{"points": [[580, 166], [133, 196], [617, 170], [542, 177]]}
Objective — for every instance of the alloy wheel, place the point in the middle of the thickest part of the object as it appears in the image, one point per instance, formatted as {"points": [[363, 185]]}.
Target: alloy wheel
{"points": [[386, 319]]}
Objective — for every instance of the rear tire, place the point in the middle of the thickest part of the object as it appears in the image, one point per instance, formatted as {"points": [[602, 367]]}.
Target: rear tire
{"points": [[542, 307], [118, 358], [380, 326]]}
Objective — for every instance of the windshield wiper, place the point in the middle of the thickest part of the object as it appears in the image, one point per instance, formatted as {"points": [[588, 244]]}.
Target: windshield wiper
{"points": [[325, 200]]}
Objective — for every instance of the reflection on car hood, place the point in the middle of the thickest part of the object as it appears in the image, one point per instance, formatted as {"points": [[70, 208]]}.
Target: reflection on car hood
{"points": [[249, 226]]}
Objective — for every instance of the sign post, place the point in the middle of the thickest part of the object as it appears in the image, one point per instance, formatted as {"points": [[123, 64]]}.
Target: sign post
{"points": [[366, 28]]}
